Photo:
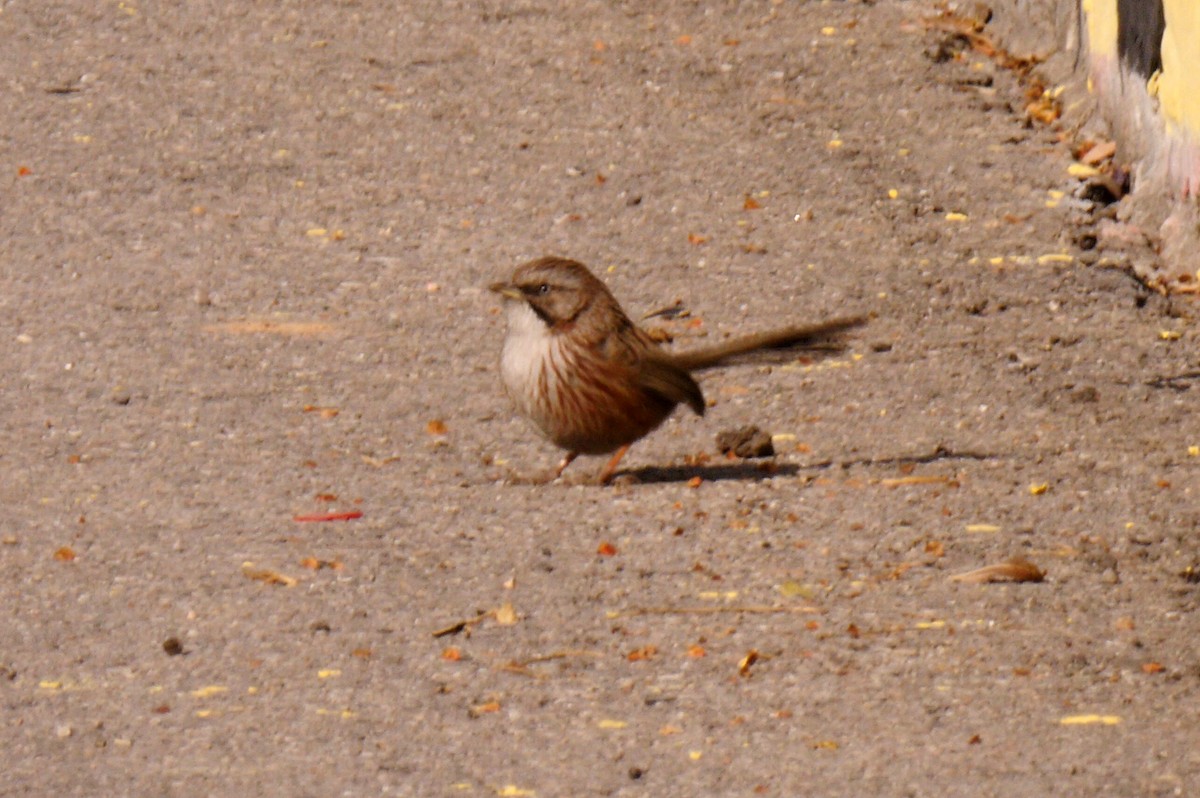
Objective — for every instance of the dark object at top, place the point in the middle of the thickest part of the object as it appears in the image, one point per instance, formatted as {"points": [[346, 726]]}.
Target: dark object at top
{"points": [[1140, 26]]}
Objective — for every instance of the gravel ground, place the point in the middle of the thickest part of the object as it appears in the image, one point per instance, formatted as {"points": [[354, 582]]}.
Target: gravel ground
{"points": [[243, 281]]}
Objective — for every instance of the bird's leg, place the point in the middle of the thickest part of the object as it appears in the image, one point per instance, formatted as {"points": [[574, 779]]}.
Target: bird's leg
{"points": [[612, 464], [566, 461]]}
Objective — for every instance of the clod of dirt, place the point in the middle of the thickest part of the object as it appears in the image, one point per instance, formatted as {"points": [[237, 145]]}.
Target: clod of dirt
{"points": [[948, 48], [746, 442]]}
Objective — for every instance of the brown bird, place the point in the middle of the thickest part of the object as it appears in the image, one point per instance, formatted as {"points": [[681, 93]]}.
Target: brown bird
{"points": [[593, 381]]}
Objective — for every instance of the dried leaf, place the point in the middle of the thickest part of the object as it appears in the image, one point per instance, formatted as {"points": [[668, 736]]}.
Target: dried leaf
{"points": [[268, 576], [606, 550], [894, 482], [485, 709], [695, 239], [346, 516], [1017, 569], [460, 626], [451, 654], [65, 554], [436, 427], [791, 589], [313, 564], [505, 615], [747, 661], [696, 651], [643, 653], [1088, 720], [1098, 152]]}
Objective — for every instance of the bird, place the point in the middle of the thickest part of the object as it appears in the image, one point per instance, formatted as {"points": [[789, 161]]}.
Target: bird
{"points": [[591, 380]]}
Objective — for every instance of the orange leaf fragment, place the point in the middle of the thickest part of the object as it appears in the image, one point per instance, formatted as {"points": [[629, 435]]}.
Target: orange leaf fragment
{"points": [[694, 482], [599, 46], [436, 427], [1153, 667], [24, 171], [935, 548], [347, 516], [750, 204], [643, 653], [451, 654], [696, 239], [1098, 152], [361, 653], [601, 179], [1017, 569], [684, 40], [65, 554], [313, 564], [485, 709], [606, 550], [696, 652], [325, 497]]}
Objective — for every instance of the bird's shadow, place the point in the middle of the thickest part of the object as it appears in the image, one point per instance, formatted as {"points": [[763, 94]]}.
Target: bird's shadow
{"points": [[722, 472]]}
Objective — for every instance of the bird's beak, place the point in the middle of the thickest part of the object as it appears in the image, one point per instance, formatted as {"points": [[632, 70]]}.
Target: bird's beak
{"points": [[506, 290]]}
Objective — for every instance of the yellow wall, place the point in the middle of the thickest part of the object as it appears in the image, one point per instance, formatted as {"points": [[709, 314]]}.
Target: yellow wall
{"points": [[1101, 16], [1178, 89]]}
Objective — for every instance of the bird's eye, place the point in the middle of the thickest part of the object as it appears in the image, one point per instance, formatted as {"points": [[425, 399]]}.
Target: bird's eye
{"points": [[543, 289]]}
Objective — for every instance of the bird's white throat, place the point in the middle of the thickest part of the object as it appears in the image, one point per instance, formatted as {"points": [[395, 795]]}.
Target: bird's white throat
{"points": [[529, 346]]}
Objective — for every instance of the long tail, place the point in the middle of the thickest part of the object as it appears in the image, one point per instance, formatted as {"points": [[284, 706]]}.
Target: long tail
{"points": [[822, 336]]}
